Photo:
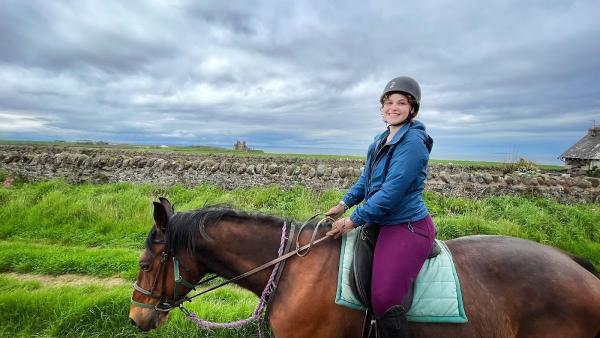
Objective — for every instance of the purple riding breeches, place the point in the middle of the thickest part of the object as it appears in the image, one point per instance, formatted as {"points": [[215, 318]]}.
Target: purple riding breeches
{"points": [[400, 252]]}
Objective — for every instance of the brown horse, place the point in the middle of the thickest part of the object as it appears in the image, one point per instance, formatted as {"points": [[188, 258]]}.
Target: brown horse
{"points": [[511, 287]]}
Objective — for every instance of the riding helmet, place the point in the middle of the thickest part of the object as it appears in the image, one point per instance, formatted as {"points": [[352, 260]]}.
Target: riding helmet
{"points": [[406, 85]]}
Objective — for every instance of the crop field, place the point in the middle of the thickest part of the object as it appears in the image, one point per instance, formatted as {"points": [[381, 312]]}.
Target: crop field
{"points": [[68, 253]]}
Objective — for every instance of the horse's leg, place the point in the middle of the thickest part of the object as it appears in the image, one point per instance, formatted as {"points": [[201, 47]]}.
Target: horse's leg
{"points": [[304, 305]]}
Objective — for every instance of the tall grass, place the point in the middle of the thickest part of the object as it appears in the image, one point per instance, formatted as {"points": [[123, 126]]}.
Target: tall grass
{"points": [[575, 228], [32, 309], [119, 215], [27, 257]]}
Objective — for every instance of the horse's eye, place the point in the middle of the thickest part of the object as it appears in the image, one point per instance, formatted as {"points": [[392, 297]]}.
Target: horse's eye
{"points": [[145, 266]]}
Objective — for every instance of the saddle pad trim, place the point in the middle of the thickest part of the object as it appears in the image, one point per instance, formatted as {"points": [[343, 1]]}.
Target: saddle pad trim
{"points": [[461, 317]]}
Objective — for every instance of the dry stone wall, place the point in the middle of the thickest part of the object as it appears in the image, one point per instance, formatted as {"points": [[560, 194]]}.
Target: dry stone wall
{"points": [[78, 165]]}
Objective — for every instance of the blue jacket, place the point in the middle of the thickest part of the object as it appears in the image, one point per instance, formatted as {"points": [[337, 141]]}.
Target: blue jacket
{"points": [[392, 182]]}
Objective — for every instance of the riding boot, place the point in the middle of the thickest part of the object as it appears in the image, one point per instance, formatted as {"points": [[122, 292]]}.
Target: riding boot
{"points": [[393, 323]]}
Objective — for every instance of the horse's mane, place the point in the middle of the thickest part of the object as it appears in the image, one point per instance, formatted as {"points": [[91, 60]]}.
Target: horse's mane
{"points": [[586, 264], [184, 227]]}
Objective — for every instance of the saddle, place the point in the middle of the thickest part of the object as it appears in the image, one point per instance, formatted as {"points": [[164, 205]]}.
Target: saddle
{"points": [[360, 270]]}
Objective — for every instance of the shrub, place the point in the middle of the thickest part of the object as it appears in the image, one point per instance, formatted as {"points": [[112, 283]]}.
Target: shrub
{"points": [[522, 165]]}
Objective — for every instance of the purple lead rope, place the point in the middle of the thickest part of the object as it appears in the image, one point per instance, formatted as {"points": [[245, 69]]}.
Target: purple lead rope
{"points": [[257, 314]]}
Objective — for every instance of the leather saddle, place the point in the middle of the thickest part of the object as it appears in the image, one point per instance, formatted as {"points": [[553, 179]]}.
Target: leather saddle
{"points": [[362, 263]]}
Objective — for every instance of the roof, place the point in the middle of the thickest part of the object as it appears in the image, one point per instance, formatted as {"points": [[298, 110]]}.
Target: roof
{"points": [[588, 148]]}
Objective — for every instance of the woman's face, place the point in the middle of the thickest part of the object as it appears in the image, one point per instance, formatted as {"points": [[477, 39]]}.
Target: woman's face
{"points": [[395, 109]]}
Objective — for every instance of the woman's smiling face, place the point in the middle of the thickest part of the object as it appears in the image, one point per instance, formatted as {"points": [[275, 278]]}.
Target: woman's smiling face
{"points": [[396, 108]]}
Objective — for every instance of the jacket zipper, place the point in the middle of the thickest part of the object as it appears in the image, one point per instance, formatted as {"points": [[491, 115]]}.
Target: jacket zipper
{"points": [[372, 166]]}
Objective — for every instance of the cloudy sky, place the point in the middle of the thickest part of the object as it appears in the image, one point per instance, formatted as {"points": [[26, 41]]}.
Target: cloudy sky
{"points": [[499, 78]]}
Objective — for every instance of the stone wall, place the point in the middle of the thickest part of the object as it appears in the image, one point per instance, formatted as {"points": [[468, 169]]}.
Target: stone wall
{"points": [[166, 168]]}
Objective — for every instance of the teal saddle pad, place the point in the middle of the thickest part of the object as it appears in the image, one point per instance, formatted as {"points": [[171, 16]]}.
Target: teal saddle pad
{"points": [[437, 297]]}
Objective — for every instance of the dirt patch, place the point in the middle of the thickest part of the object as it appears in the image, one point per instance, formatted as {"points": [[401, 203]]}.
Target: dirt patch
{"points": [[68, 279]]}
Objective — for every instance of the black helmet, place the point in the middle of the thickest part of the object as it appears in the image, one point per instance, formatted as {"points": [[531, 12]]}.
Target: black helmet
{"points": [[407, 85]]}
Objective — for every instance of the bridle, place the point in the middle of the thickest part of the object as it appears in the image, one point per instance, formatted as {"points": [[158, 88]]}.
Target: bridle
{"points": [[166, 305]]}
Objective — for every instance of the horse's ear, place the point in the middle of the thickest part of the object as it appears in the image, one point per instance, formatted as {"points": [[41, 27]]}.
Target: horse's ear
{"points": [[168, 207], [161, 218]]}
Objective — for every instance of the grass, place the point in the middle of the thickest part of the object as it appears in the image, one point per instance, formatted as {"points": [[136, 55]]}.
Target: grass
{"points": [[118, 216], [98, 311], [575, 228], [54, 228], [26, 257], [54, 212]]}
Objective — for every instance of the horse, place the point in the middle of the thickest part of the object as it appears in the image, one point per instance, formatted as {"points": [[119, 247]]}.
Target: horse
{"points": [[511, 287]]}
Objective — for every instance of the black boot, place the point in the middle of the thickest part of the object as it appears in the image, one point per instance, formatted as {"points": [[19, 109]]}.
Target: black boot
{"points": [[393, 323]]}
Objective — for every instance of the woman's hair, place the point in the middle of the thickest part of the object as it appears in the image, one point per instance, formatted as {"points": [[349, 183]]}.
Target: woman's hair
{"points": [[411, 115]]}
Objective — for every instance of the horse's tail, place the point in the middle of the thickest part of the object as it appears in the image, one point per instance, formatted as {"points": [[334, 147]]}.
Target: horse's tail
{"points": [[586, 264]]}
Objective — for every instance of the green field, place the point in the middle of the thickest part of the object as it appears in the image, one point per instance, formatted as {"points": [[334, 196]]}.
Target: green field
{"points": [[97, 231], [197, 150]]}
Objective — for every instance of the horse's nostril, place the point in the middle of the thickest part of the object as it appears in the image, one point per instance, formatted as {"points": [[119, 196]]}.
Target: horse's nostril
{"points": [[132, 322]]}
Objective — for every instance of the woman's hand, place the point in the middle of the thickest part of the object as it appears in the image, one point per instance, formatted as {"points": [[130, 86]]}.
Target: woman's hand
{"points": [[340, 227], [336, 212]]}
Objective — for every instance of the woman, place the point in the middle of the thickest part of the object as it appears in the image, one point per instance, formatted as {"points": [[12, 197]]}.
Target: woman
{"points": [[391, 189]]}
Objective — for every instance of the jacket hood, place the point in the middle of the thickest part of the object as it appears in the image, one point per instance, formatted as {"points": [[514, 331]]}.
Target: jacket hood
{"points": [[416, 129]]}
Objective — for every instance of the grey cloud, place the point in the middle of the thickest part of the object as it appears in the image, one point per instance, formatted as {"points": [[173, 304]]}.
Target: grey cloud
{"points": [[301, 73]]}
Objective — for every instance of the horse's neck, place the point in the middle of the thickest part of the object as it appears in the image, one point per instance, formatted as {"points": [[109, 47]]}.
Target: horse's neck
{"points": [[238, 247]]}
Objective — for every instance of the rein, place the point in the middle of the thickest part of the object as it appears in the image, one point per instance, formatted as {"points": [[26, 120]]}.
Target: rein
{"points": [[165, 305]]}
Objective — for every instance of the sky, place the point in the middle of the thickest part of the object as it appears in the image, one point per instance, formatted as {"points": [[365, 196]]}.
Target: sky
{"points": [[500, 79]]}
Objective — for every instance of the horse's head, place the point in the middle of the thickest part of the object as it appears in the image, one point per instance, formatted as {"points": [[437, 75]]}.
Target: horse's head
{"points": [[165, 276], [180, 250]]}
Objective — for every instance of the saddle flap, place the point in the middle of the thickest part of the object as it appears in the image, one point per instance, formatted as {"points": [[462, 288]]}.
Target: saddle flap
{"points": [[435, 250], [362, 263]]}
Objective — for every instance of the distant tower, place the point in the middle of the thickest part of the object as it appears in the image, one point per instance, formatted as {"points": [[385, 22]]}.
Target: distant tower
{"points": [[240, 146]]}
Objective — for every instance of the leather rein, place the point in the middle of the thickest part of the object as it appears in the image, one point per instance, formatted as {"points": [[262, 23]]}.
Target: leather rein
{"points": [[166, 305]]}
